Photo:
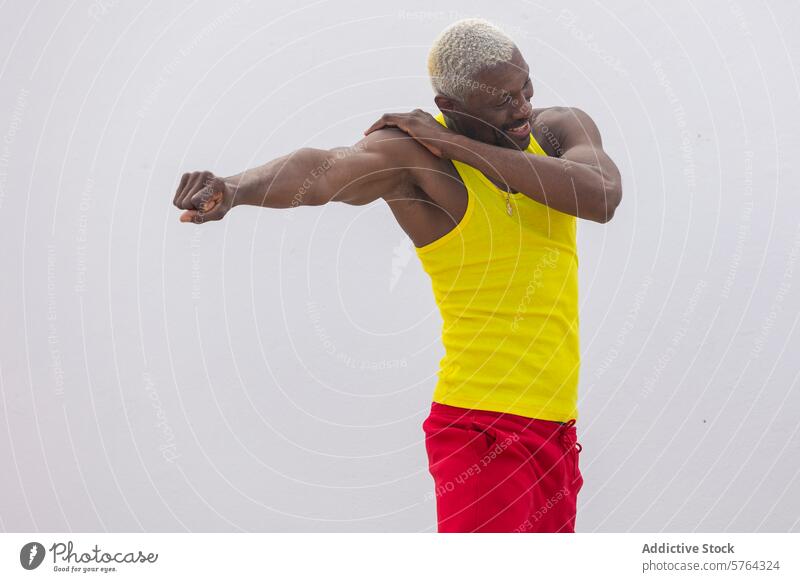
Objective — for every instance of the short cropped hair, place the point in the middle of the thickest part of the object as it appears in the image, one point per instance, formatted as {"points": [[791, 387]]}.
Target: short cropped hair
{"points": [[462, 50]]}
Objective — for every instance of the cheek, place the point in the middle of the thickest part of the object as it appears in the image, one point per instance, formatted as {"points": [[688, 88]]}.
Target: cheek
{"points": [[488, 119], [496, 122]]}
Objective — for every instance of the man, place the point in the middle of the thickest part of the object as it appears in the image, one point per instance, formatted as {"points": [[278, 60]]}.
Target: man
{"points": [[489, 192]]}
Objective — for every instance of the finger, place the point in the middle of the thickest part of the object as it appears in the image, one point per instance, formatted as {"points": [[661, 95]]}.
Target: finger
{"points": [[385, 124], [196, 183], [187, 191], [377, 125], [205, 199], [200, 217], [215, 214], [188, 216], [212, 202], [184, 179], [186, 188], [386, 119]]}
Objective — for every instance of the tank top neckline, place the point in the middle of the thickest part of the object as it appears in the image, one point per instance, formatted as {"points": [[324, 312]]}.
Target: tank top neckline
{"points": [[533, 148]]}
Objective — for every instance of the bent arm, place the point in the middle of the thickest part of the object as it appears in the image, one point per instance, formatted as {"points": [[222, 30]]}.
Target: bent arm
{"points": [[583, 181]]}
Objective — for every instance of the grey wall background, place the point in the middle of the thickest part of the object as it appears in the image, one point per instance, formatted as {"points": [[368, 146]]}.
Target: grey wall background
{"points": [[271, 372]]}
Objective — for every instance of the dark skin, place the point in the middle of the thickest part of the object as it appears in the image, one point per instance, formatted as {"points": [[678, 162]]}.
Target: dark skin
{"points": [[406, 158]]}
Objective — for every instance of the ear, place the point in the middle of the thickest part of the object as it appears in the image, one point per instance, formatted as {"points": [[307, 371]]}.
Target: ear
{"points": [[447, 104]]}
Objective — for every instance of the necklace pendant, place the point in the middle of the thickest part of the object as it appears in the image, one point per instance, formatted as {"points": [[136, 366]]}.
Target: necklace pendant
{"points": [[508, 207]]}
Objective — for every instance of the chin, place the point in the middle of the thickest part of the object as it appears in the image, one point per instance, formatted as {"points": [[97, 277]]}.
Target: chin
{"points": [[524, 142], [516, 142]]}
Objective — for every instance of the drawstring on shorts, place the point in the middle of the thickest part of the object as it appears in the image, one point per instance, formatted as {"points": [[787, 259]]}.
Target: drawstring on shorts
{"points": [[567, 438]]}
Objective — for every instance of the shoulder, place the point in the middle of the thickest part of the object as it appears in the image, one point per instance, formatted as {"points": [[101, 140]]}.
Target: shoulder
{"points": [[563, 127], [398, 151], [561, 116], [397, 146]]}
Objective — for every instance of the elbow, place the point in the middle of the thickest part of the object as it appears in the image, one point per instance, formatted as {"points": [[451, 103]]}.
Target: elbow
{"points": [[605, 217], [609, 198]]}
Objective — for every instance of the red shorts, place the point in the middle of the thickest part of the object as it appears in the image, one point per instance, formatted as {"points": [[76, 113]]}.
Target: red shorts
{"points": [[500, 472]]}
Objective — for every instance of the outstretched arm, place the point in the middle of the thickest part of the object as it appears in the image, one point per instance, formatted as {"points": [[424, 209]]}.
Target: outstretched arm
{"points": [[379, 165], [582, 181]]}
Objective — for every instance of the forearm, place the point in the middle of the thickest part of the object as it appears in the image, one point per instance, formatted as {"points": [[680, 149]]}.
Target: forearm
{"points": [[295, 179], [567, 186]]}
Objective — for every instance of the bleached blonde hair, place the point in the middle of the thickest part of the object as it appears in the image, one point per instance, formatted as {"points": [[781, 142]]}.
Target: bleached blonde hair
{"points": [[463, 49]]}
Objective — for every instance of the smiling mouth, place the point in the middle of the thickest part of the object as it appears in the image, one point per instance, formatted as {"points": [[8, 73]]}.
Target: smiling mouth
{"points": [[522, 129]]}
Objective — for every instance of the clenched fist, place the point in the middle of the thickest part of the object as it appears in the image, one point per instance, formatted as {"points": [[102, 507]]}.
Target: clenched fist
{"points": [[203, 196]]}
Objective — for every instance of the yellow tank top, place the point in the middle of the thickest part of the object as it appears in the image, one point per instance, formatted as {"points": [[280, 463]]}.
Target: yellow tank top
{"points": [[507, 290]]}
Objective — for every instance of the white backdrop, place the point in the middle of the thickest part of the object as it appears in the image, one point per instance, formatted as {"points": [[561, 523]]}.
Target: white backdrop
{"points": [[271, 372]]}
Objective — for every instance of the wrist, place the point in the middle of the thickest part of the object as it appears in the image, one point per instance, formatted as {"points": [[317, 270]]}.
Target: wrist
{"points": [[242, 189], [235, 190], [457, 146]]}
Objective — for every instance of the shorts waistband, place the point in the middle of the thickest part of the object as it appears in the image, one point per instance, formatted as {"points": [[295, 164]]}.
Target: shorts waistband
{"points": [[457, 412]]}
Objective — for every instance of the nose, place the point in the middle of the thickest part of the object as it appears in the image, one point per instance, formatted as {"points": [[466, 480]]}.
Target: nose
{"points": [[525, 108]]}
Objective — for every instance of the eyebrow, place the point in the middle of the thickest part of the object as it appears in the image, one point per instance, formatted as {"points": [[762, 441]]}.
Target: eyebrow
{"points": [[505, 94], [527, 79]]}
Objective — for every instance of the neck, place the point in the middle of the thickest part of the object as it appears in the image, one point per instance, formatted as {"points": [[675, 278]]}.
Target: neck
{"points": [[465, 130]]}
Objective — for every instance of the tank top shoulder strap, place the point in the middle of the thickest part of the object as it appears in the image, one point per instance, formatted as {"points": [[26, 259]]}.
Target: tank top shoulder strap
{"points": [[535, 148], [471, 177]]}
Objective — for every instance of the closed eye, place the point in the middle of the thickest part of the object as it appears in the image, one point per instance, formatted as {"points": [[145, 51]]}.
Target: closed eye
{"points": [[504, 101], [508, 95]]}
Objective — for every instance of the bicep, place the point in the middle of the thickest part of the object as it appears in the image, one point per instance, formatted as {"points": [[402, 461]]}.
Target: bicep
{"points": [[377, 166]]}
